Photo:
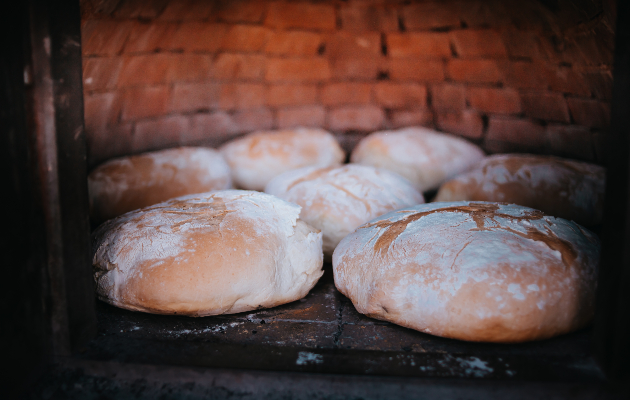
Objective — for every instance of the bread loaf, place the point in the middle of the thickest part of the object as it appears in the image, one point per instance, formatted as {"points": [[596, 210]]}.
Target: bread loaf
{"points": [[258, 157], [337, 200], [205, 254], [563, 188], [424, 156], [472, 271], [128, 183]]}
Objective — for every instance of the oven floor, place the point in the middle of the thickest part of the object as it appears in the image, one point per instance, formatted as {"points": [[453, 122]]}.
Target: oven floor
{"points": [[324, 333]]}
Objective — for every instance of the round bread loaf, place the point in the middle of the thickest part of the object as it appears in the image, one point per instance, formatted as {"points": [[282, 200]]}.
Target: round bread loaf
{"points": [[205, 254], [563, 188], [472, 271], [424, 156], [258, 157], [128, 183], [337, 200]]}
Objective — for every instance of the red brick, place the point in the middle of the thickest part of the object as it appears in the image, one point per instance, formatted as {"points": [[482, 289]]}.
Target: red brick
{"points": [[466, 123], [104, 37], [334, 94], [140, 8], [144, 102], [245, 38], [101, 73], [242, 95], [253, 120], [145, 70], [474, 71], [567, 80], [448, 97], [478, 43], [345, 44], [526, 15], [97, 9], [426, 45], [301, 15], [522, 44], [149, 37], [549, 46], [547, 106], [101, 110], [360, 19], [356, 68], [586, 49], [240, 10], [190, 68], [571, 141], [159, 133], [526, 75], [239, 66], [194, 96], [486, 13], [414, 117], [420, 70], [400, 95], [507, 134], [291, 95], [297, 69], [110, 142], [359, 118], [594, 49], [294, 43], [600, 83], [186, 10], [495, 101], [211, 129], [198, 36], [590, 112], [313, 116], [430, 15]]}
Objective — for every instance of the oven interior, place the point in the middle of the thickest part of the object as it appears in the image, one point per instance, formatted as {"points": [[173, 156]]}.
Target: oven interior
{"points": [[511, 76]]}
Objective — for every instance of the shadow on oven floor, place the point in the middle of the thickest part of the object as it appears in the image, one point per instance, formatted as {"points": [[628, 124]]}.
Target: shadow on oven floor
{"points": [[315, 348], [324, 333]]}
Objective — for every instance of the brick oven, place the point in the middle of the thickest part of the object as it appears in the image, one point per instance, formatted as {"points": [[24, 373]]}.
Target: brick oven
{"points": [[531, 76], [97, 79]]}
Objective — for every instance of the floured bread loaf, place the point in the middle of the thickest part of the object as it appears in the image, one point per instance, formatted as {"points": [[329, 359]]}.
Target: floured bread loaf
{"points": [[205, 254], [424, 156], [563, 188], [260, 156], [485, 272], [337, 200], [128, 183]]}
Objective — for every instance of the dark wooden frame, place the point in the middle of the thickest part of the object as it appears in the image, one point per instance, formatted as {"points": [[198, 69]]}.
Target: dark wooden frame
{"points": [[49, 293], [612, 325]]}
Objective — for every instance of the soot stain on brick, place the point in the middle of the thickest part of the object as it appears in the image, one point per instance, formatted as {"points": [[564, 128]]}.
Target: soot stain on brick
{"points": [[383, 44], [401, 24]]}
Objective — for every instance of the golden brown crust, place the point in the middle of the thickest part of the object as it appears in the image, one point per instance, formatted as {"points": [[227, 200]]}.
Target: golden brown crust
{"points": [[472, 271], [207, 254], [130, 183], [259, 156], [423, 156], [337, 200], [559, 187]]}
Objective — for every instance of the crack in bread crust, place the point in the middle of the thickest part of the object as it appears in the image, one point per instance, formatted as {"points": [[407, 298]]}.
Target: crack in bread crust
{"points": [[478, 212]]}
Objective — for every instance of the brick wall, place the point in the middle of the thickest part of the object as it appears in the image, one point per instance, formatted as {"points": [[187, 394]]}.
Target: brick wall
{"points": [[511, 75]]}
